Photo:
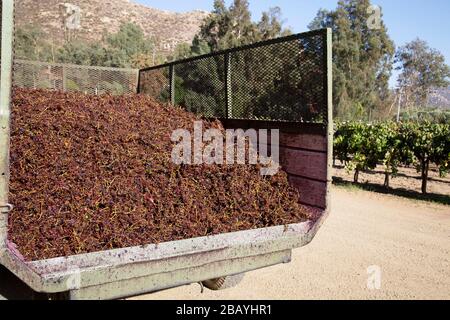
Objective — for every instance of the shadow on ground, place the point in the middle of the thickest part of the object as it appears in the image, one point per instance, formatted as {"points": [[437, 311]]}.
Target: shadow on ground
{"points": [[399, 174], [409, 194]]}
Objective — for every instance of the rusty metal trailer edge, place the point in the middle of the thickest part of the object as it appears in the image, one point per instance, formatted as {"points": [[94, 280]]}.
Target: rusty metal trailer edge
{"points": [[138, 270]]}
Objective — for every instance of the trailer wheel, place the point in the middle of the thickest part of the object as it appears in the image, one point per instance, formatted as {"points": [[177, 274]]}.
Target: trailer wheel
{"points": [[224, 282]]}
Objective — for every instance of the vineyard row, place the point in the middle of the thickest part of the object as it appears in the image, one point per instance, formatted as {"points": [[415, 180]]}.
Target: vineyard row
{"points": [[363, 147]]}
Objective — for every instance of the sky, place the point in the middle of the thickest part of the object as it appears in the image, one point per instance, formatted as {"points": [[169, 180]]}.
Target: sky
{"points": [[405, 19]]}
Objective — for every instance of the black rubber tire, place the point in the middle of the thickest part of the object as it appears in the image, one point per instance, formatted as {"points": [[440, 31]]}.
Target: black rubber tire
{"points": [[224, 282]]}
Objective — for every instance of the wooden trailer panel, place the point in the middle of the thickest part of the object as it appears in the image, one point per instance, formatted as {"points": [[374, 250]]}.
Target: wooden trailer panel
{"points": [[303, 156]]}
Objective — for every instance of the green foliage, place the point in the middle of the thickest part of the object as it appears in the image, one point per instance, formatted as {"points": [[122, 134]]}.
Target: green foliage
{"points": [[423, 69], [362, 60], [427, 143], [271, 25], [426, 114], [227, 27], [182, 51], [72, 85], [130, 40], [30, 44], [364, 146], [231, 27], [131, 48], [441, 148], [81, 53], [199, 87], [128, 48]]}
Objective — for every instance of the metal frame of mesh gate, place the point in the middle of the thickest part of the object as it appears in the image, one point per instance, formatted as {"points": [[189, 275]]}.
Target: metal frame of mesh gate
{"points": [[7, 38], [284, 79]]}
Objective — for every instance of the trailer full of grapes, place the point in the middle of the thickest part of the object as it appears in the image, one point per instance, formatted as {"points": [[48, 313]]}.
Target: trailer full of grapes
{"points": [[282, 84]]}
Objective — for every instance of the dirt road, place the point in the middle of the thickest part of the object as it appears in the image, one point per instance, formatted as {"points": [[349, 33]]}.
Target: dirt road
{"points": [[408, 241]]}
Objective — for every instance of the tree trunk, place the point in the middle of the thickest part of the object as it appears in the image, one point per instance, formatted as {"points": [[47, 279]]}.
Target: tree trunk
{"points": [[425, 168], [387, 180], [356, 177], [387, 177]]}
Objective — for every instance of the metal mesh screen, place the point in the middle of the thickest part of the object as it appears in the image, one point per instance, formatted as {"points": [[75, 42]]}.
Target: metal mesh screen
{"points": [[89, 80], [156, 83], [283, 79], [38, 76], [200, 86]]}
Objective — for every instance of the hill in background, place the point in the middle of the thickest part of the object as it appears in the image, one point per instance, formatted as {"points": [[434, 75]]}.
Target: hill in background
{"points": [[94, 17], [440, 98]]}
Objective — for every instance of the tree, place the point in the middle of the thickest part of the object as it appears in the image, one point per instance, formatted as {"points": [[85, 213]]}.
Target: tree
{"points": [[427, 143], [131, 43], [362, 60], [182, 51], [81, 53], [128, 48], [231, 27], [271, 25], [30, 44], [423, 69]]}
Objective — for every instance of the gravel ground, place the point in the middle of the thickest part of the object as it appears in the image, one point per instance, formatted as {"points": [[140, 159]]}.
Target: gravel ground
{"points": [[409, 241]]}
